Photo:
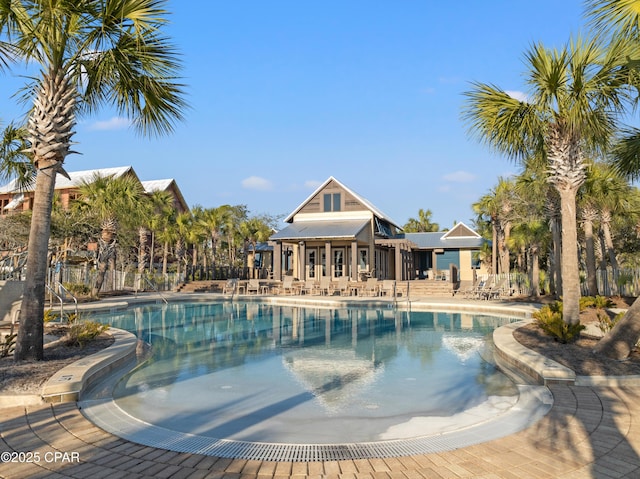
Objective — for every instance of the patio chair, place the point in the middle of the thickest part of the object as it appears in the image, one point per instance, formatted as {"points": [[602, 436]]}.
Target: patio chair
{"points": [[309, 287], [253, 285], [325, 285], [499, 289], [231, 286], [287, 286], [388, 288], [463, 285], [342, 287], [371, 287], [484, 287]]}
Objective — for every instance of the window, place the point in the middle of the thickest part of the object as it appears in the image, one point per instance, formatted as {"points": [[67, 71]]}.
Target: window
{"points": [[332, 202], [311, 261], [338, 262], [363, 260]]}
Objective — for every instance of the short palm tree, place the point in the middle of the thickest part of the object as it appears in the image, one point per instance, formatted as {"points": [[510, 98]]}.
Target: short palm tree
{"points": [[90, 53], [576, 94], [113, 201]]}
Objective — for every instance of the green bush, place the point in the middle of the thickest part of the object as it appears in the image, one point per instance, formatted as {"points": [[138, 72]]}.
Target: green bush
{"points": [[77, 289], [50, 315], [549, 319], [605, 323], [81, 333], [598, 302], [8, 345]]}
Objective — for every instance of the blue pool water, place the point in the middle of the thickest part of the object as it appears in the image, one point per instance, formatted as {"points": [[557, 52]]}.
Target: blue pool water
{"points": [[291, 374]]}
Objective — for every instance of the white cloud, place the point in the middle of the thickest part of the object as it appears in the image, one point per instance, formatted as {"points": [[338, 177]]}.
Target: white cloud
{"points": [[257, 183], [460, 177], [115, 123], [312, 184], [518, 95]]}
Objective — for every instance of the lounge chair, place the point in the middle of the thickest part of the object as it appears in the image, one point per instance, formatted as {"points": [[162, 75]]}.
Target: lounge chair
{"points": [[499, 289], [484, 287], [371, 288], [462, 286], [388, 288], [471, 289]]}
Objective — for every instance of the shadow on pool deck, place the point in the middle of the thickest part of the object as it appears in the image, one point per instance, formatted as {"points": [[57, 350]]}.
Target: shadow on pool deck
{"points": [[590, 432]]}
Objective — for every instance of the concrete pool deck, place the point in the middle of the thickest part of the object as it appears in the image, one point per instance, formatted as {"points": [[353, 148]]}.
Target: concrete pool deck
{"points": [[590, 431]]}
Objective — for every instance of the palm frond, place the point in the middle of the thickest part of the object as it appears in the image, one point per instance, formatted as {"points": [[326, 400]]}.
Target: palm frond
{"points": [[15, 163], [609, 16], [506, 124], [626, 154]]}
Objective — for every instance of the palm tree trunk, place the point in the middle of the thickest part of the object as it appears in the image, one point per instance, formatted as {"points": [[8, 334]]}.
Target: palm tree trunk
{"points": [[590, 256], [30, 340], [494, 247], [535, 272], [557, 256], [608, 240], [620, 341], [165, 257], [570, 270]]}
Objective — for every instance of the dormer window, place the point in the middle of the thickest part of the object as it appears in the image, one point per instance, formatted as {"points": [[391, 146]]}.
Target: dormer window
{"points": [[332, 202]]}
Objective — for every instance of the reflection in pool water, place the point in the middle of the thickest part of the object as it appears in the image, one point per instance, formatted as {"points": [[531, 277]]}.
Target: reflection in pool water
{"points": [[263, 372]]}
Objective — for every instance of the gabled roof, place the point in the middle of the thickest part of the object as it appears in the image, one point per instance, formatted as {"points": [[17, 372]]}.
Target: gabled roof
{"points": [[337, 229], [360, 198], [437, 241], [76, 178], [460, 236], [156, 185], [461, 231]]}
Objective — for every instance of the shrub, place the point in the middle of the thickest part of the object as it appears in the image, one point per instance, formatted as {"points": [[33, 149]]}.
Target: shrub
{"points": [[601, 302], [586, 302], [81, 333], [605, 323], [50, 315], [549, 319], [598, 302], [8, 345], [77, 289]]}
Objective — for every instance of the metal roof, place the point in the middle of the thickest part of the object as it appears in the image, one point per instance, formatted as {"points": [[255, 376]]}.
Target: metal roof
{"points": [[76, 178], [329, 229], [438, 240], [156, 185]]}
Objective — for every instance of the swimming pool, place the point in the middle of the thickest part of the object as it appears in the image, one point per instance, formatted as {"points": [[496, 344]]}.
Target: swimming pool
{"points": [[257, 372]]}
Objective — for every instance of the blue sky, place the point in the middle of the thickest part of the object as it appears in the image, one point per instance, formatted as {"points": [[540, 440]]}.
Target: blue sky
{"points": [[285, 94]]}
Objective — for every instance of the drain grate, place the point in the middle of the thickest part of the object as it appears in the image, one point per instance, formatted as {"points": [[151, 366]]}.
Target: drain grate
{"points": [[534, 403]]}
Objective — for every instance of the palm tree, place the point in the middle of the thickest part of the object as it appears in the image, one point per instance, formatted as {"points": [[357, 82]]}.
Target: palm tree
{"points": [[576, 94], [162, 208], [497, 205], [255, 230], [213, 220], [422, 224], [116, 202], [14, 159], [89, 53], [620, 18]]}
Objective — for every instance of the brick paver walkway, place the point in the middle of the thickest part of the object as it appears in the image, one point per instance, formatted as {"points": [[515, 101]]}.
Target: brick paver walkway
{"points": [[589, 433]]}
